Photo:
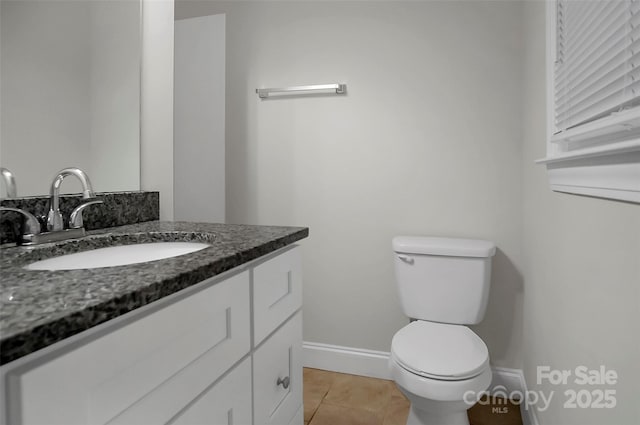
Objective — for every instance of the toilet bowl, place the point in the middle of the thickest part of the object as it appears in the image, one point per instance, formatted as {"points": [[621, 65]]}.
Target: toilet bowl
{"points": [[437, 361], [440, 368]]}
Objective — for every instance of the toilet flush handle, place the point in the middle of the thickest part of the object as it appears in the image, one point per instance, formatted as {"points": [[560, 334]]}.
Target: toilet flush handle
{"points": [[405, 258]]}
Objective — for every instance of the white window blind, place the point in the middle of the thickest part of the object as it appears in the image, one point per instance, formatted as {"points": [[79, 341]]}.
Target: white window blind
{"points": [[593, 98], [596, 71]]}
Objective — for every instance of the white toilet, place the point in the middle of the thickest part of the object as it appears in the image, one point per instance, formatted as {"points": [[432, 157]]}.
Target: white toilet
{"points": [[443, 283]]}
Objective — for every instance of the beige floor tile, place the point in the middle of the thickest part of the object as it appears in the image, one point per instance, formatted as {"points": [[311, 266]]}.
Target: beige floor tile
{"points": [[395, 391], [397, 411], [331, 414], [359, 392], [316, 384], [318, 381], [310, 405], [499, 412], [332, 398]]}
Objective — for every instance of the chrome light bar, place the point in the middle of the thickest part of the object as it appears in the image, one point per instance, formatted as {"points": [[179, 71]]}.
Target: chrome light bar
{"points": [[337, 88]]}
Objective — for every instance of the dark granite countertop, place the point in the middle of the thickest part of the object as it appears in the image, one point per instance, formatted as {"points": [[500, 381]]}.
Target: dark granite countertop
{"points": [[40, 308]]}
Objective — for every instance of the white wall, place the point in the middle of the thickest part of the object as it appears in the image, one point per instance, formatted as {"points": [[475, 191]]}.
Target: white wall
{"points": [[199, 119], [582, 269], [156, 127], [426, 142], [115, 95]]}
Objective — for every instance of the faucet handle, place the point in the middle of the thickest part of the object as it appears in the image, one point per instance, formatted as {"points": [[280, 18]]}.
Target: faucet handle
{"points": [[75, 219]]}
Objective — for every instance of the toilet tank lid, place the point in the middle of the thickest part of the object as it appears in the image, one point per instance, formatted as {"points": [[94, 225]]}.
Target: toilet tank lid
{"points": [[452, 247]]}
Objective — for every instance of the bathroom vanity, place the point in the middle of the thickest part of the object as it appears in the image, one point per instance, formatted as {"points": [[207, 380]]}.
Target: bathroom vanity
{"points": [[214, 336]]}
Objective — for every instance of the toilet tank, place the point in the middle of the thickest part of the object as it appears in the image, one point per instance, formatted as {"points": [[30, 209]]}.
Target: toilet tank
{"points": [[443, 279]]}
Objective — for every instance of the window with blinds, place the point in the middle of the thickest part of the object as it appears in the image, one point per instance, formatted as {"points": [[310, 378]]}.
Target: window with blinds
{"points": [[596, 88], [593, 98]]}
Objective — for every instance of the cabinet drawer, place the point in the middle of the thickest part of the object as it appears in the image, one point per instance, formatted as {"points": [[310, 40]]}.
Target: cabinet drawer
{"points": [[226, 403], [277, 292], [146, 371], [279, 358]]}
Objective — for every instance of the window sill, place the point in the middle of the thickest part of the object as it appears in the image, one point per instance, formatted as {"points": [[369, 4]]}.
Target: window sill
{"points": [[611, 172]]}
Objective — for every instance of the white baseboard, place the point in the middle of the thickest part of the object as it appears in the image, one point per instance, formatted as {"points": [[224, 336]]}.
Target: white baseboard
{"points": [[506, 380], [357, 361]]}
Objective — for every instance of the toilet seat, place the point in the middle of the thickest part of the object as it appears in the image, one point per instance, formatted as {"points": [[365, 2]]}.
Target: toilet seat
{"points": [[440, 351]]}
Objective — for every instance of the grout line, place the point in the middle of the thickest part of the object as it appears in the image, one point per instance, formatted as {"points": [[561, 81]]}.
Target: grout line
{"points": [[382, 414], [321, 400]]}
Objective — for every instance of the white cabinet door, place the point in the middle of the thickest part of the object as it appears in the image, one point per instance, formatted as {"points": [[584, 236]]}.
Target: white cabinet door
{"points": [[226, 403], [277, 292], [277, 375], [144, 372]]}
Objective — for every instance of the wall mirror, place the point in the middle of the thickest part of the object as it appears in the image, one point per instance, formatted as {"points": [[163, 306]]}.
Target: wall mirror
{"points": [[70, 92]]}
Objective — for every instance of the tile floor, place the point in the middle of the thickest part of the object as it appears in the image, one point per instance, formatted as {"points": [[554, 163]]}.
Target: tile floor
{"points": [[332, 398]]}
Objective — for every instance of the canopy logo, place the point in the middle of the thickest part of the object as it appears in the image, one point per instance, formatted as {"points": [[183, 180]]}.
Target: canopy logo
{"points": [[499, 398]]}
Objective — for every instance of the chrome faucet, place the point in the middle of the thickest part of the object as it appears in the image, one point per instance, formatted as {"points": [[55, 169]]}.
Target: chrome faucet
{"points": [[54, 217], [32, 225], [10, 182], [32, 234]]}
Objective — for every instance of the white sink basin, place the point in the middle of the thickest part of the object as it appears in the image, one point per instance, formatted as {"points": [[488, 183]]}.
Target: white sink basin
{"points": [[117, 256]]}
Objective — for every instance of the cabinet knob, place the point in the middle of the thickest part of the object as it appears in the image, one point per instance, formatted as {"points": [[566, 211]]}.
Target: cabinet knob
{"points": [[284, 382]]}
